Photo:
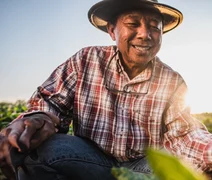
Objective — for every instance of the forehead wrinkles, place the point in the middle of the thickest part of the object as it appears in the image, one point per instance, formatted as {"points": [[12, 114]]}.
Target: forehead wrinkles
{"points": [[153, 16]]}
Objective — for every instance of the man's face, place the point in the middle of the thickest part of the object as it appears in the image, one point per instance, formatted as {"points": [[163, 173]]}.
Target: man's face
{"points": [[138, 35]]}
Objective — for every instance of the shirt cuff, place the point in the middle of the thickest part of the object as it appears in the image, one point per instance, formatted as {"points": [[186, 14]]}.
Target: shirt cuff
{"points": [[207, 155]]}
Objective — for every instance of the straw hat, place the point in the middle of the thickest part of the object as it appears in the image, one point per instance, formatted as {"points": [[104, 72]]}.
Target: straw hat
{"points": [[104, 11]]}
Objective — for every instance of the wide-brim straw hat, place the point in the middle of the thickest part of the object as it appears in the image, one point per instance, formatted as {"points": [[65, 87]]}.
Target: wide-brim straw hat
{"points": [[104, 11]]}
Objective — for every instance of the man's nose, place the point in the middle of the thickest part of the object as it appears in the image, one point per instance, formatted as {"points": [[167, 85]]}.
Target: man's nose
{"points": [[143, 32]]}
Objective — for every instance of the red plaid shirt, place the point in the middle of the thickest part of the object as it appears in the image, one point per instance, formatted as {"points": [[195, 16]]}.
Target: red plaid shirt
{"points": [[124, 116]]}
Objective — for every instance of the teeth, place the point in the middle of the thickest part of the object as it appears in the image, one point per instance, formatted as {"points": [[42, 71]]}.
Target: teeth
{"points": [[142, 48]]}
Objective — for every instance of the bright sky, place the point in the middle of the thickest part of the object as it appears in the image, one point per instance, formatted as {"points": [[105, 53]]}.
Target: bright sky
{"points": [[38, 35]]}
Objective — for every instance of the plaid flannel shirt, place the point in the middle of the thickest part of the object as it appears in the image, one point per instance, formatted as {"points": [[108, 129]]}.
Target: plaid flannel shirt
{"points": [[122, 116]]}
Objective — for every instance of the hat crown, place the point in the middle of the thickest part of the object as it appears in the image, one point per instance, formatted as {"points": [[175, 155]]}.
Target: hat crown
{"points": [[150, 0], [106, 10], [136, 0], [131, 1]]}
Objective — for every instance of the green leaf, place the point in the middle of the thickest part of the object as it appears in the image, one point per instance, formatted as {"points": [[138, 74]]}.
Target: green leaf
{"points": [[168, 167], [123, 173], [10, 111]]}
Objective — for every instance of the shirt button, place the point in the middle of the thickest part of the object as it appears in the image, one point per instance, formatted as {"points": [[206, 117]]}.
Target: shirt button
{"points": [[126, 89]]}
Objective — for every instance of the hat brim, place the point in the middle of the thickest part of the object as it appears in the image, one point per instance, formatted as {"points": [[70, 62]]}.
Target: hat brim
{"points": [[102, 12]]}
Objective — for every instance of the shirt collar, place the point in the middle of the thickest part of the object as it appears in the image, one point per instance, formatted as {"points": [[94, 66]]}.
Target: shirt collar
{"points": [[145, 75]]}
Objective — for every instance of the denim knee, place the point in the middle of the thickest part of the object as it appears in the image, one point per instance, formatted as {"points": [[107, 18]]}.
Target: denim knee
{"points": [[69, 156]]}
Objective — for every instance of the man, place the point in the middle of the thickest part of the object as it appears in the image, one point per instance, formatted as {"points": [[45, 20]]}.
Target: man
{"points": [[121, 99]]}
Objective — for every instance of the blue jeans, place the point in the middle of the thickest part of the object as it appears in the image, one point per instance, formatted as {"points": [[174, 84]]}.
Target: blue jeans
{"points": [[65, 157]]}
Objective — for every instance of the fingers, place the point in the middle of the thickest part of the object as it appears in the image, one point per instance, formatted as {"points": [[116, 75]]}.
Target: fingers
{"points": [[13, 134], [29, 132], [39, 139], [5, 160], [25, 138], [31, 126], [20, 132], [42, 134], [4, 151], [36, 131]]}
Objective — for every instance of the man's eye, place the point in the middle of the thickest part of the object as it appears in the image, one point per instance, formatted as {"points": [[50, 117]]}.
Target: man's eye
{"points": [[155, 27], [132, 24]]}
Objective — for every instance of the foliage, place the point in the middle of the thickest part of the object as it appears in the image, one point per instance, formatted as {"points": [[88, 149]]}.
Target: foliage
{"points": [[165, 167], [206, 118], [10, 111], [126, 174], [71, 130]]}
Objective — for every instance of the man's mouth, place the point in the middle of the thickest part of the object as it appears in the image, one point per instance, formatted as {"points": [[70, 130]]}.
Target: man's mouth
{"points": [[142, 48]]}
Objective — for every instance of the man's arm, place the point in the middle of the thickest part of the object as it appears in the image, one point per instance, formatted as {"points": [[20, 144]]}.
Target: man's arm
{"points": [[186, 137]]}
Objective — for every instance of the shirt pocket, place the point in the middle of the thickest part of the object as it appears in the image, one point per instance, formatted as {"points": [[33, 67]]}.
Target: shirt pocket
{"points": [[148, 126]]}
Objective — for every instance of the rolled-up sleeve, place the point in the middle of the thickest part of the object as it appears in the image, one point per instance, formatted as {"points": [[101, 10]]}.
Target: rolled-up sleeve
{"points": [[186, 137], [56, 94]]}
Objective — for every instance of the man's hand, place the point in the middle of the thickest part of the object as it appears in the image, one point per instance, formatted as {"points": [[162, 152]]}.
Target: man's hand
{"points": [[4, 151], [24, 134], [30, 131], [5, 161]]}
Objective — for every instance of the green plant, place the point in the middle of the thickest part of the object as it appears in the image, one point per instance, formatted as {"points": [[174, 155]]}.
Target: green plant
{"points": [[71, 132], [168, 167], [126, 174], [165, 167], [206, 119], [10, 111]]}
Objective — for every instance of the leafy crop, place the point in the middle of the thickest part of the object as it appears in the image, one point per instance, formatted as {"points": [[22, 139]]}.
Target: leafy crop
{"points": [[168, 167], [206, 119], [126, 174], [165, 167], [10, 111]]}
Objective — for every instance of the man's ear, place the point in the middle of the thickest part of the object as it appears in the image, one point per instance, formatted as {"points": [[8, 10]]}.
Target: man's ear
{"points": [[110, 30]]}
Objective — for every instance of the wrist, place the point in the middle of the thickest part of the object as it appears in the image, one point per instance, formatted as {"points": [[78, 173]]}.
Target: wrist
{"points": [[49, 117], [54, 119]]}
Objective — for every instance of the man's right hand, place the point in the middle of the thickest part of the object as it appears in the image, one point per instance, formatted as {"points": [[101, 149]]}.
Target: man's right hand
{"points": [[4, 151], [29, 132], [5, 161], [24, 134]]}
